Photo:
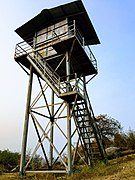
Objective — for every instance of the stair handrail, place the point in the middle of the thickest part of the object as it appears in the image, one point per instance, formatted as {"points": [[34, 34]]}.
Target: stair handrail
{"points": [[99, 135], [46, 68], [32, 53]]}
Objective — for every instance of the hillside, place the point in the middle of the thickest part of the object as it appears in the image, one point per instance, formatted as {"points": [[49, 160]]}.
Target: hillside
{"points": [[122, 168]]}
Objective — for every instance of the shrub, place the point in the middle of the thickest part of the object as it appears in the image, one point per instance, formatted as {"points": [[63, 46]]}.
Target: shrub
{"points": [[9, 159]]}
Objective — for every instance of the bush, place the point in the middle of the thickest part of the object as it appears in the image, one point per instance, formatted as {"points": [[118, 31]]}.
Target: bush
{"points": [[9, 159]]}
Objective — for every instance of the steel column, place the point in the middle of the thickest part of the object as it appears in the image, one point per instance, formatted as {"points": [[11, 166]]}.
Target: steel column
{"points": [[51, 130], [26, 124], [67, 72], [68, 116], [69, 140]]}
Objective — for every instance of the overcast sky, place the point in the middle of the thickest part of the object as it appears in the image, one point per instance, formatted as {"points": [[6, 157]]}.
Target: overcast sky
{"points": [[112, 91]]}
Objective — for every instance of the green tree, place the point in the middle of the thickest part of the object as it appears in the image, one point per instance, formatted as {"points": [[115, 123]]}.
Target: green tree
{"points": [[108, 127]]}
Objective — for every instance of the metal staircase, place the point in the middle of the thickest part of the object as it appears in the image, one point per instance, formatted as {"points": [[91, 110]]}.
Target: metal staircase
{"points": [[88, 131]]}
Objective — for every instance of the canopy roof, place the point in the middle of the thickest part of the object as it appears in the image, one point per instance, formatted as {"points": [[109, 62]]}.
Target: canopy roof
{"points": [[73, 11]]}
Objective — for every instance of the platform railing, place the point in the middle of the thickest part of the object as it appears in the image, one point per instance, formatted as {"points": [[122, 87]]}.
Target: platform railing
{"points": [[74, 84], [86, 48], [56, 35], [23, 48]]}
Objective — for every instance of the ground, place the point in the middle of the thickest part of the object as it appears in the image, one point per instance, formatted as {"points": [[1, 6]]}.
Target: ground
{"points": [[122, 168]]}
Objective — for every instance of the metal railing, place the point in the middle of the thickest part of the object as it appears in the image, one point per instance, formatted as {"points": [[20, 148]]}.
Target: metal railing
{"points": [[55, 35], [38, 60], [74, 84], [86, 48]]}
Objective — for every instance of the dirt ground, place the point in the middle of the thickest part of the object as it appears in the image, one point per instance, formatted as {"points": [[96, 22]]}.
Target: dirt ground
{"points": [[122, 168]]}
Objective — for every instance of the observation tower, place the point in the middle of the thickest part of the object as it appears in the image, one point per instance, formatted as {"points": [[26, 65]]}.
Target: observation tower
{"points": [[56, 55]]}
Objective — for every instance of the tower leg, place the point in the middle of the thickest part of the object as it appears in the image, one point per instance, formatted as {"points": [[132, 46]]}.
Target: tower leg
{"points": [[51, 131], [26, 123], [68, 116], [69, 140]]}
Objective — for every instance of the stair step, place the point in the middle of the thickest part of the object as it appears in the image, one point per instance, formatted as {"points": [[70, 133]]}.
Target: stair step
{"points": [[85, 132], [82, 109], [84, 121], [87, 135], [79, 103], [87, 144], [85, 138], [84, 126], [81, 115]]}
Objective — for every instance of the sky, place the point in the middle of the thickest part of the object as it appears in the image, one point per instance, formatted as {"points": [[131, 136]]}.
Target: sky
{"points": [[112, 91]]}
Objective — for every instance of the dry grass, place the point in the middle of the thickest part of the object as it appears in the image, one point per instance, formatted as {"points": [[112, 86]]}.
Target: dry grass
{"points": [[122, 168], [15, 176]]}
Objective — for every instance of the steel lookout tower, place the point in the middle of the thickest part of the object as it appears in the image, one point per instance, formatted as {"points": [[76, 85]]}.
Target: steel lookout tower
{"points": [[56, 55]]}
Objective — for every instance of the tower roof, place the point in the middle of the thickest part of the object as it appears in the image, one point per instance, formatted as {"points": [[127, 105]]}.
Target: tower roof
{"points": [[73, 11]]}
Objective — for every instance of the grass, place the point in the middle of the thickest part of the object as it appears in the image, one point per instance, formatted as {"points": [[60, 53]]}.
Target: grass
{"points": [[117, 169], [15, 176], [122, 168]]}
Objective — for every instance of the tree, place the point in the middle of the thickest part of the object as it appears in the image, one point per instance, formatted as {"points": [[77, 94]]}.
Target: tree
{"points": [[108, 127]]}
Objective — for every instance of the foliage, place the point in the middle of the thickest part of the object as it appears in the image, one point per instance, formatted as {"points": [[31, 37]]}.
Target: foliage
{"points": [[9, 159], [112, 134], [108, 127]]}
